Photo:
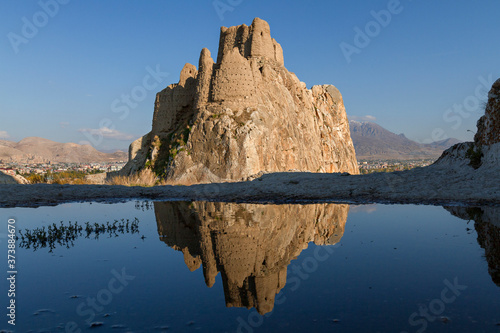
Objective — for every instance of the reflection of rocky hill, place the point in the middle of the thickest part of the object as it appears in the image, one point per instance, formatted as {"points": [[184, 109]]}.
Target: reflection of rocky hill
{"points": [[487, 225], [250, 244]]}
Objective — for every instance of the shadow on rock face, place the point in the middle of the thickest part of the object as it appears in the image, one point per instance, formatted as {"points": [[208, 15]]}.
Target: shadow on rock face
{"points": [[487, 225], [251, 245]]}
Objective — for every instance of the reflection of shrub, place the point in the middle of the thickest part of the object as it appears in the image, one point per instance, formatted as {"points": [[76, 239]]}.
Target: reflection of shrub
{"points": [[474, 156], [475, 213], [65, 235], [144, 205]]}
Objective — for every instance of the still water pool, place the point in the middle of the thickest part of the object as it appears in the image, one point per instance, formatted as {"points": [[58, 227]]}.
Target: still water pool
{"points": [[226, 267]]}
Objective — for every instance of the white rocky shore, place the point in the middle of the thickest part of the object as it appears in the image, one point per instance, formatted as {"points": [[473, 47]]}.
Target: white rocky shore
{"points": [[450, 181]]}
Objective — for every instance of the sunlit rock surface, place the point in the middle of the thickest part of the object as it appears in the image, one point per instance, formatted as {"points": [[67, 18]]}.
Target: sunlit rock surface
{"points": [[245, 113]]}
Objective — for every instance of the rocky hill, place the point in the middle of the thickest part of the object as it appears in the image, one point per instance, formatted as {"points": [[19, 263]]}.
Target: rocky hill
{"points": [[443, 144], [372, 141], [39, 150], [241, 115]]}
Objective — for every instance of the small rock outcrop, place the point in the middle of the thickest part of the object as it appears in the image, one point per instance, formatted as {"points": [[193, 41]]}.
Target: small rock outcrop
{"points": [[484, 152], [242, 114], [251, 245], [12, 179]]}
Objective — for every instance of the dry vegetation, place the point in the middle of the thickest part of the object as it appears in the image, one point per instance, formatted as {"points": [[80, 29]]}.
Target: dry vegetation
{"points": [[65, 177], [144, 178]]}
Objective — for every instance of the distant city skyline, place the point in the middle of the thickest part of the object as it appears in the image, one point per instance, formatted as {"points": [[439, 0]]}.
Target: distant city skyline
{"points": [[88, 72]]}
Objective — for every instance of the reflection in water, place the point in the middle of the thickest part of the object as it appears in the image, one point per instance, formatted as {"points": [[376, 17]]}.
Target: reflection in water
{"points": [[143, 205], [250, 244], [487, 225], [65, 234]]}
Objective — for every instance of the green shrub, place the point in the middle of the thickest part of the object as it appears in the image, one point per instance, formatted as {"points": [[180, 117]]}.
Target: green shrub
{"points": [[475, 156], [168, 148]]}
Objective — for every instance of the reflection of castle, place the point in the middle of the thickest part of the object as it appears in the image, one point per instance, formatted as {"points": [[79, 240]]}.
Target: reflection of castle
{"points": [[250, 244], [487, 225]]}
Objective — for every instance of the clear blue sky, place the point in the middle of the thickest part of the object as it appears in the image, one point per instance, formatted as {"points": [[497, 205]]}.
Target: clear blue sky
{"points": [[69, 76]]}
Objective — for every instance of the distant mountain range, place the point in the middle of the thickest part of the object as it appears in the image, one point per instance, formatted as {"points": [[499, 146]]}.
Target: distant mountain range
{"points": [[39, 150], [372, 141]]}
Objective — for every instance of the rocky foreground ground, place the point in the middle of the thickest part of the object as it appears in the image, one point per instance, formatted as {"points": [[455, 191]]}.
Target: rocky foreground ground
{"points": [[444, 183]]}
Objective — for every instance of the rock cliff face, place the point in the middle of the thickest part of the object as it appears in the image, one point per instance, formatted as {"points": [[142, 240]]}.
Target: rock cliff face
{"points": [[245, 113], [251, 245], [488, 126]]}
